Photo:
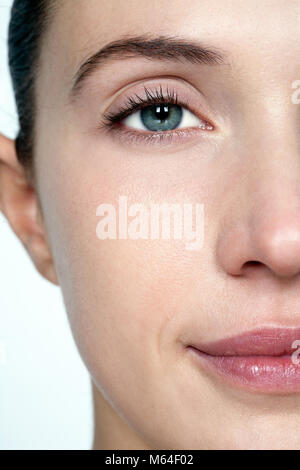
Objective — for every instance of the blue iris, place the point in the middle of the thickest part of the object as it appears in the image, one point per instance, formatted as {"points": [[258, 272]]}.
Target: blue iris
{"points": [[161, 117]]}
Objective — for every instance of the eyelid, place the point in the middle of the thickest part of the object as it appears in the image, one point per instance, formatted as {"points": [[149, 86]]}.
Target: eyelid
{"points": [[137, 103], [172, 91], [186, 92]]}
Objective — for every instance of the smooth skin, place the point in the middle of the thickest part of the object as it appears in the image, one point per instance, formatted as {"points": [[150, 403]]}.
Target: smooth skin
{"points": [[134, 304]]}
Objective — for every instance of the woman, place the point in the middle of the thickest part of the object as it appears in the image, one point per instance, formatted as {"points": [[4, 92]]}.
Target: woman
{"points": [[191, 340]]}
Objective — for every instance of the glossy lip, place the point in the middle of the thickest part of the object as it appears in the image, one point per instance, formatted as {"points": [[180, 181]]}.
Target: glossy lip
{"points": [[260, 360]]}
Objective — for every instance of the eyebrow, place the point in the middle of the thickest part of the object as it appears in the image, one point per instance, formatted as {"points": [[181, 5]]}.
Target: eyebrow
{"points": [[166, 48]]}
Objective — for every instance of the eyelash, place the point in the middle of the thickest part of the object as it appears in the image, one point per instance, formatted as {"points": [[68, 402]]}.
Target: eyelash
{"points": [[111, 121]]}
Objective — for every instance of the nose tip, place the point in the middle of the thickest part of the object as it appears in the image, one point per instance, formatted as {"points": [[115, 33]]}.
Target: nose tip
{"points": [[274, 244], [278, 248]]}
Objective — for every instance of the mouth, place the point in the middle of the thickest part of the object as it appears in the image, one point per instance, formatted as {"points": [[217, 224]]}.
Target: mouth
{"points": [[264, 360]]}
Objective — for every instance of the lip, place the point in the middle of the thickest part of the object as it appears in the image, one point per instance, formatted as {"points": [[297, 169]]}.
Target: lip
{"points": [[262, 360]]}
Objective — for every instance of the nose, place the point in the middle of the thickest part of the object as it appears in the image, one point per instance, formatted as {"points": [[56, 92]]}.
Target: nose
{"points": [[263, 228], [272, 241]]}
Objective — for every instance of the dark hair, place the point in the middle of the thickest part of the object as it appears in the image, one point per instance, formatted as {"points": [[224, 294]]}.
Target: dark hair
{"points": [[26, 29]]}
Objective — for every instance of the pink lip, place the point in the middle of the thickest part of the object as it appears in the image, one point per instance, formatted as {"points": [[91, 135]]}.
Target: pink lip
{"points": [[261, 360]]}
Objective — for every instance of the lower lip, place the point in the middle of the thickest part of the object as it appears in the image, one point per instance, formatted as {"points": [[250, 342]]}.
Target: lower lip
{"points": [[265, 374]]}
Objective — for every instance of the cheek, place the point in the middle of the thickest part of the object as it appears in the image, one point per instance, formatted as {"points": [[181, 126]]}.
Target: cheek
{"points": [[124, 300], [123, 289], [127, 300], [122, 296]]}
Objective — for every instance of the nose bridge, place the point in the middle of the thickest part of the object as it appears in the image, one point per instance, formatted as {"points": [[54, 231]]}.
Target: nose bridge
{"points": [[271, 109], [271, 134]]}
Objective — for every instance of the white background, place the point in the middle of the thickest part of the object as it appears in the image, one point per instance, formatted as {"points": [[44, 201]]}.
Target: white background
{"points": [[45, 393]]}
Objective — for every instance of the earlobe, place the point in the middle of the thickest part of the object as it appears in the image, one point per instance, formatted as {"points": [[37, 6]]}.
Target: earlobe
{"points": [[19, 204]]}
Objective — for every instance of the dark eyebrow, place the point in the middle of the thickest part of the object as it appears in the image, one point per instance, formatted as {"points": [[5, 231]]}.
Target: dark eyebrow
{"points": [[158, 48]]}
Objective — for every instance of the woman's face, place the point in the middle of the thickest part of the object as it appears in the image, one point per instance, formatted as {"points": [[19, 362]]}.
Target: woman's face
{"points": [[135, 305]]}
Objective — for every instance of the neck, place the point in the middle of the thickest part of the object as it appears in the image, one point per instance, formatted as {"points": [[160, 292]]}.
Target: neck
{"points": [[111, 431]]}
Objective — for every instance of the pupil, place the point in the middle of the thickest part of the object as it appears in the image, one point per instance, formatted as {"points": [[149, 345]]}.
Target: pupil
{"points": [[162, 112]]}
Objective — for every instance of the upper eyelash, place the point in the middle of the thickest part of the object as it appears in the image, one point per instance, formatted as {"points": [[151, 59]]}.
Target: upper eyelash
{"points": [[136, 103]]}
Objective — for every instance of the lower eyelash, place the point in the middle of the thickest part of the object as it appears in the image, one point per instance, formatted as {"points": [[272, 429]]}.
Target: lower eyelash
{"points": [[127, 135]]}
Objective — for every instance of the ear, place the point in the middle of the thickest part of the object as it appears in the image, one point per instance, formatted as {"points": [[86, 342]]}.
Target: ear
{"points": [[19, 204]]}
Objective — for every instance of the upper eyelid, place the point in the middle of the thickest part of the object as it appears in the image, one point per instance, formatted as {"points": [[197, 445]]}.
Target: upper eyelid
{"points": [[134, 104], [181, 84], [123, 111]]}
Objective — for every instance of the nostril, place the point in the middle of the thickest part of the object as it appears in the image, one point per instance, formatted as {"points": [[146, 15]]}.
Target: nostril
{"points": [[251, 266], [252, 263]]}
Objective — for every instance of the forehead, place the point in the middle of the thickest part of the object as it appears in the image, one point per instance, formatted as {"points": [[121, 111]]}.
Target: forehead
{"points": [[106, 18], [80, 27]]}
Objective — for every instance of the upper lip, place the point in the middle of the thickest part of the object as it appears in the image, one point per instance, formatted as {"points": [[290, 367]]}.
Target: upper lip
{"points": [[260, 342]]}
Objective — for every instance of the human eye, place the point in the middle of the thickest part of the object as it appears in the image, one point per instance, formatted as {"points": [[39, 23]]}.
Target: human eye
{"points": [[156, 115]]}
